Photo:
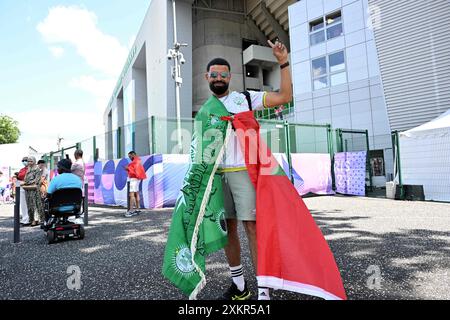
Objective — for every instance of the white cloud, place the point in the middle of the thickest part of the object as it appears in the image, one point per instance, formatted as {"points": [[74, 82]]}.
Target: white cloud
{"points": [[97, 87], [57, 52], [78, 27], [75, 27], [41, 128], [100, 89]]}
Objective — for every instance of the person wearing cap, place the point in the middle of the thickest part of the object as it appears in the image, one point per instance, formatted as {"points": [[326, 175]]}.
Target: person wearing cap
{"points": [[23, 201], [65, 178], [32, 184]]}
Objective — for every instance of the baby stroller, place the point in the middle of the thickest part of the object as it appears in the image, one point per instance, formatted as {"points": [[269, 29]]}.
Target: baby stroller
{"points": [[59, 207]]}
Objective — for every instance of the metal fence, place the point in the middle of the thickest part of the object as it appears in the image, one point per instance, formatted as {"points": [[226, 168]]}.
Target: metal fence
{"points": [[158, 135], [349, 140]]}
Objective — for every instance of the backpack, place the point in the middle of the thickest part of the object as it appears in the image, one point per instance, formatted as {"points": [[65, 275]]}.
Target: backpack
{"points": [[249, 99]]}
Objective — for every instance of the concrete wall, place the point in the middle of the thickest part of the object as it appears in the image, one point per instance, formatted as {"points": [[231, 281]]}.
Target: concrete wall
{"points": [[217, 35], [149, 68], [274, 78], [156, 35], [184, 34], [413, 42], [358, 104], [142, 144], [156, 50]]}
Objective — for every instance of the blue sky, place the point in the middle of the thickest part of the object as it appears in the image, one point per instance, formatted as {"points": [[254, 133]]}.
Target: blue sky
{"points": [[59, 63]]}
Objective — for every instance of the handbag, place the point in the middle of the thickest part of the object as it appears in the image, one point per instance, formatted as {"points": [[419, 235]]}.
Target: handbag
{"points": [[30, 187]]}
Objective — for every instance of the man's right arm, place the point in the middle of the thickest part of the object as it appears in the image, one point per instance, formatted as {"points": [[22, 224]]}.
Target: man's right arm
{"points": [[274, 99]]}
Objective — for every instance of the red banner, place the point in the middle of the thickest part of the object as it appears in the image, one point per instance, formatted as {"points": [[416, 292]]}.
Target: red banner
{"points": [[293, 254]]}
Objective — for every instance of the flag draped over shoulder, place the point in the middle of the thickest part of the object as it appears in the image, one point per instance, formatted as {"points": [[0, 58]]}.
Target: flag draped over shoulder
{"points": [[293, 255], [198, 222]]}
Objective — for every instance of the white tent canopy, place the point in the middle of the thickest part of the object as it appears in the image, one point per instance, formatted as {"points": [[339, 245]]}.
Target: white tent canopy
{"points": [[425, 157]]}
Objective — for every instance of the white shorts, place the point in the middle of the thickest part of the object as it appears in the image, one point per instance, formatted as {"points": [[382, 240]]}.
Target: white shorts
{"points": [[134, 185]]}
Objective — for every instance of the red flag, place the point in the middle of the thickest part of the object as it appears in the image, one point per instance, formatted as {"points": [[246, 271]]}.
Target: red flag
{"points": [[293, 255]]}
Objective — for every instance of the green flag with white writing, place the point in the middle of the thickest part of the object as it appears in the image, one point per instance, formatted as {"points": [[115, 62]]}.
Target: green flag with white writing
{"points": [[198, 222]]}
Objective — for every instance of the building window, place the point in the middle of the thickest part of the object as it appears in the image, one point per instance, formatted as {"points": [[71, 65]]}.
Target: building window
{"points": [[329, 70], [330, 25], [334, 25], [338, 74], [316, 29], [319, 69]]}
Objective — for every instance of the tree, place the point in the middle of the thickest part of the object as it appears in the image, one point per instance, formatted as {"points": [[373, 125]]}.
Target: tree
{"points": [[9, 130]]}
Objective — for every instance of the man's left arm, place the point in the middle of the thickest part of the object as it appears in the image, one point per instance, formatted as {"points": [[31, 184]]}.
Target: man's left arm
{"points": [[274, 99]]}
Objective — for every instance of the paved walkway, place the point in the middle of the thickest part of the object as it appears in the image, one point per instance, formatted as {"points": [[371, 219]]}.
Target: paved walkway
{"points": [[385, 250]]}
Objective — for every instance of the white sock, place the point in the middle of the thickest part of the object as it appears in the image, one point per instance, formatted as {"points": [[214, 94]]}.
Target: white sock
{"points": [[263, 293], [237, 274]]}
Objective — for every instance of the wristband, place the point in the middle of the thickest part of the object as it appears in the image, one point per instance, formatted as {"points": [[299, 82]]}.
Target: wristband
{"points": [[284, 65]]}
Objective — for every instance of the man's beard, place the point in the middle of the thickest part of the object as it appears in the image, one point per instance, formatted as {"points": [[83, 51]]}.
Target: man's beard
{"points": [[219, 90]]}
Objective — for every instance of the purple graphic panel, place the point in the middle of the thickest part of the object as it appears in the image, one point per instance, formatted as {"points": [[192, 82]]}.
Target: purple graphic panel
{"points": [[350, 173]]}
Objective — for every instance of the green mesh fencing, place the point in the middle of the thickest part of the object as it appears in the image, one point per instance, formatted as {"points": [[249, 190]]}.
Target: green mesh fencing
{"points": [[348, 140], [159, 135], [166, 137]]}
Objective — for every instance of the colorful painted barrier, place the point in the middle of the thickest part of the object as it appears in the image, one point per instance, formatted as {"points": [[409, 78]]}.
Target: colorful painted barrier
{"points": [[350, 173], [165, 175]]}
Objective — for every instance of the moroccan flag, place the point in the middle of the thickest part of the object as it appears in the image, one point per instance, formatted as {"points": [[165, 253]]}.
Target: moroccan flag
{"points": [[198, 222], [293, 255]]}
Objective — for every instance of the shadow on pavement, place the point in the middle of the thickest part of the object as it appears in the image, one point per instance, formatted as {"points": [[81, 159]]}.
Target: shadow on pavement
{"points": [[121, 258]]}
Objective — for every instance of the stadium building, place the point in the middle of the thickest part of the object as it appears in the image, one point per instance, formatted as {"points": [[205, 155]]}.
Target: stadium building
{"points": [[375, 65]]}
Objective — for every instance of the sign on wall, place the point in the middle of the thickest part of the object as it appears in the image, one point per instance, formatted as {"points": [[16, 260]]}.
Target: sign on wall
{"points": [[350, 173]]}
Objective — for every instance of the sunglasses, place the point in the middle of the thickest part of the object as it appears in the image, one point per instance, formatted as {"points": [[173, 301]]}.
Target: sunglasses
{"points": [[215, 74]]}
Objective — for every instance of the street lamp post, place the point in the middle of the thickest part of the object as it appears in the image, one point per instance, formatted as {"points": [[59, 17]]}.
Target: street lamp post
{"points": [[178, 59], [60, 139]]}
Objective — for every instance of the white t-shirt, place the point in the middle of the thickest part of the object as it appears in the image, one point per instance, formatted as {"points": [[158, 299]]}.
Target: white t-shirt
{"points": [[3, 182], [236, 102], [78, 169]]}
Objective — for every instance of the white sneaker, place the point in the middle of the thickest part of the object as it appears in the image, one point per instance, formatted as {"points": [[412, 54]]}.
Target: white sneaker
{"points": [[263, 294], [129, 214], [263, 297]]}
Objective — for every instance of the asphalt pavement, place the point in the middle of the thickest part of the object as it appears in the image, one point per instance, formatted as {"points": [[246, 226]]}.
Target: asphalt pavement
{"points": [[384, 249]]}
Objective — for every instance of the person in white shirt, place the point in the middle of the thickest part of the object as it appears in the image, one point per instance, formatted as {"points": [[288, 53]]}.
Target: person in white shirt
{"points": [[239, 193], [3, 185], [78, 167]]}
